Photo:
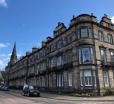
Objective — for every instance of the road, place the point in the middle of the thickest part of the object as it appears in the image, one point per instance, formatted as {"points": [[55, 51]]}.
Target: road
{"points": [[8, 98]]}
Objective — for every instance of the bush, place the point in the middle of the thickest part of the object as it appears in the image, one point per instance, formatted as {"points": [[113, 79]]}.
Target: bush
{"points": [[108, 92]]}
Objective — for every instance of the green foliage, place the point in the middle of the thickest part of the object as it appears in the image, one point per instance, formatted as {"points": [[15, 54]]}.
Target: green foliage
{"points": [[108, 92]]}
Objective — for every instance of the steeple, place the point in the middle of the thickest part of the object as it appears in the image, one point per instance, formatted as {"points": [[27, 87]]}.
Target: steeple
{"points": [[13, 58]]}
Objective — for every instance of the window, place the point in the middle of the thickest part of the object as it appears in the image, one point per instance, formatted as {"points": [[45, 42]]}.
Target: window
{"points": [[100, 36], [70, 79], [52, 62], [112, 56], [110, 26], [59, 60], [106, 79], [84, 32], [110, 38], [113, 74], [65, 41], [86, 55], [103, 55], [60, 43], [60, 80], [87, 78]]}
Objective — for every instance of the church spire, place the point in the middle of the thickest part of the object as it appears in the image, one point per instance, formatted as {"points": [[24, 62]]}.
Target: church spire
{"points": [[13, 58]]}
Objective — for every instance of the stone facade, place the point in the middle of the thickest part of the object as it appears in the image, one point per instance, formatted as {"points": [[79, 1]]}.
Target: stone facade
{"points": [[78, 58]]}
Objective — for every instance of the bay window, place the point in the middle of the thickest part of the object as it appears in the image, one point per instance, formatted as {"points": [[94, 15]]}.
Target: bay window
{"points": [[88, 78], [86, 55]]}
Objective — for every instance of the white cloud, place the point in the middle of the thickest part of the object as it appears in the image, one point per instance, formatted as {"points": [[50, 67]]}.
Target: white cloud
{"points": [[3, 3], [1, 62], [2, 45], [112, 19]]}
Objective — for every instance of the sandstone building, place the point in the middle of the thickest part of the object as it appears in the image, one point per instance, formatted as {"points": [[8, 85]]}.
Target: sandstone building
{"points": [[79, 58]]}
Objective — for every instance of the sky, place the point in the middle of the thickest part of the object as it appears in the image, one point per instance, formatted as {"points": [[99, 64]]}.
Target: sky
{"points": [[28, 22]]}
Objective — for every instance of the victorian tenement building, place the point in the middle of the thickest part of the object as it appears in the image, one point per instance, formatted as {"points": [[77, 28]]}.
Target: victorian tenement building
{"points": [[78, 58]]}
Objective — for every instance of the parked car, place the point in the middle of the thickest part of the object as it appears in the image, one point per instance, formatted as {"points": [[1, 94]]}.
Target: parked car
{"points": [[1, 87], [4, 88], [31, 91]]}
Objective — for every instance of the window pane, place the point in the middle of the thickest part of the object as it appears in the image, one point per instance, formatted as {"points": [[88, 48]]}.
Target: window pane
{"points": [[88, 79], [87, 73], [84, 32], [103, 55], [86, 55], [110, 39], [100, 36], [70, 78], [81, 78], [59, 60], [106, 79], [112, 56]]}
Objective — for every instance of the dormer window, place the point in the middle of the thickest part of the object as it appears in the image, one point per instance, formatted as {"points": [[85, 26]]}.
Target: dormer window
{"points": [[100, 36], [110, 38]]}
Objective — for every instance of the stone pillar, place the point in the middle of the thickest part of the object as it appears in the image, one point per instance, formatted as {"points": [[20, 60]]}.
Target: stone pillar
{"points": [[100, 81], [76, 79]]}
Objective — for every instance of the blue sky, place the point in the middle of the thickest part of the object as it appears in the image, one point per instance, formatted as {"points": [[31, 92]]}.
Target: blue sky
{"points": [[28, 22]]}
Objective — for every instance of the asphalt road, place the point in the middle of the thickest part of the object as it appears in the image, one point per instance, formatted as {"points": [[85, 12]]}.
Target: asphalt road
{"points": [[8, 98]]}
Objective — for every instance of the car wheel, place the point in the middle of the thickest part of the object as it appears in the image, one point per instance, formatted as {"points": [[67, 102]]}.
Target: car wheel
{"points": [[38, 95], [27, 94]]}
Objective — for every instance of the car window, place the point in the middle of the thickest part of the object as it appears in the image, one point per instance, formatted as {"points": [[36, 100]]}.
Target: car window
{"points": [[31, 87]]}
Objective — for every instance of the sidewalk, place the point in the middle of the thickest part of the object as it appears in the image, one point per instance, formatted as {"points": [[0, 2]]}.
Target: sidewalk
{"points": [[66, 97]]}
